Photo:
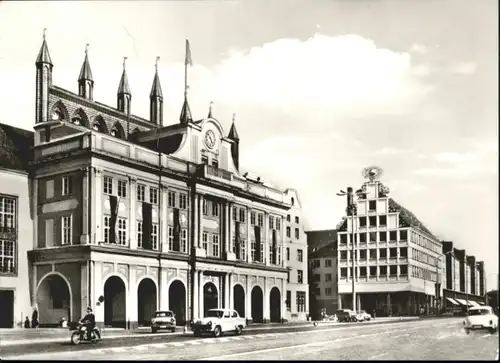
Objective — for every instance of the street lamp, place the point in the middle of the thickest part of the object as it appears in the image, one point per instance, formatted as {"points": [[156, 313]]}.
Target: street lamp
{"points": [[351, 210]]}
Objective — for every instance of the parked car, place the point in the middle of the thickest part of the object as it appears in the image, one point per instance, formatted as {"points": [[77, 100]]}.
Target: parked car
{"points": [[163, 319], [363, 316], [346, 315], [218, 322], [481, 317]]}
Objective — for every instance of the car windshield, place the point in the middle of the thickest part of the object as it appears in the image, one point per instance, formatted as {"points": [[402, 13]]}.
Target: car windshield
{"points": [[163, 314], [479, 312], [214, 314]]}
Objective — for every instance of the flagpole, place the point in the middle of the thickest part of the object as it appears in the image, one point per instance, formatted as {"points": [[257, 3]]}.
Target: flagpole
{"points": [[185, 68]]}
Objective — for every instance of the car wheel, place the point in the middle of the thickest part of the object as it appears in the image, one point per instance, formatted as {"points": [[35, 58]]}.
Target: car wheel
{"points": [[493, 330], [172, 330], [154, 330], [467, 331], [217, 332], [197, 333]]}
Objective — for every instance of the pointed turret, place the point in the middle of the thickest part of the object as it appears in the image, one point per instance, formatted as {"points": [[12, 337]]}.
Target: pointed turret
{"points": [[124, 96], [43, 81], [185, 113], [210, 110], [235, 146], [156, 99], [85, 80]]}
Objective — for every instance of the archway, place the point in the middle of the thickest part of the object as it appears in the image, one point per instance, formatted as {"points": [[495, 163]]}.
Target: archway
{"points": [[115, 302], [257, 305], [53, 299], [275, 305], [210, 297], [239, 299], [177, 301], [146, 301]]}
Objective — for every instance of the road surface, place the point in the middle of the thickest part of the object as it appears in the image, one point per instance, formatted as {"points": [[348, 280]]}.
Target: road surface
{"points": [[440, 339]]}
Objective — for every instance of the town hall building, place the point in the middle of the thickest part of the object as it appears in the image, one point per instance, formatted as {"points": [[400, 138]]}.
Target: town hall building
{"points": [[133, 215]]}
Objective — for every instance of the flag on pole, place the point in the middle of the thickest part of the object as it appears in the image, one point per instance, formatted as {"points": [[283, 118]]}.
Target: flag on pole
{"points": [[188, 54]]}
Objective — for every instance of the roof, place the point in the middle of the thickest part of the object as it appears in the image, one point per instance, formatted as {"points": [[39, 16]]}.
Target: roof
{"points": [[156, 87], [124, 88], [233, 134], [408, 218], [185, 116], [86, 72], [329, 250], [15, 147], [43, 55]]}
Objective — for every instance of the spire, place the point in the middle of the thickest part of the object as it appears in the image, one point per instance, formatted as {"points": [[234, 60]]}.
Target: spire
{"points": [[124, 88], [233, 134], [210, 110], [185, 113], [86, 72], [156, 88], [43, 54]]}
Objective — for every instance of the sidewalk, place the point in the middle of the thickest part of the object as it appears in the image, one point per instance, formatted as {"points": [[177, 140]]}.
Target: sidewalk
{"points": [[10, 337]]}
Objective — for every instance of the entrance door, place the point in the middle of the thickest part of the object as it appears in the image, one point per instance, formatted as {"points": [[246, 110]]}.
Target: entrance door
{"points": [[7, 309]]}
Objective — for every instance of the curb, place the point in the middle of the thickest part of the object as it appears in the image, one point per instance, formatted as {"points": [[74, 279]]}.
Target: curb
{"points": [[188, 332]]}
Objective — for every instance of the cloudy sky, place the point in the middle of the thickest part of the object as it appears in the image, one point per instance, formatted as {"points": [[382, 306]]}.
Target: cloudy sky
{"points": [[320, 89]]}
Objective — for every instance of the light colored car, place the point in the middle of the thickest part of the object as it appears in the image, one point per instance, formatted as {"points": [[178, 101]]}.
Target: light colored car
{"points": [[363, 316], [481, 317], [218, 322], [163, 319]]}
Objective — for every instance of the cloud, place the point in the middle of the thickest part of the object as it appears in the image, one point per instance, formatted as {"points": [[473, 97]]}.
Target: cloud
{"points": [[419, 48], [390, 151], [464, 68], [448, 157]]}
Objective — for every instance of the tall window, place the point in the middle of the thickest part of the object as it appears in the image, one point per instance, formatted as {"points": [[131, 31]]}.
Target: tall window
{"points": [[170, 238], [184, 240], [301, 301], [215, 209], [7, 224], [328, 263], [297, 234], [372, 205], [300, 276], [328, 277], [153, 195], [242, 215], [297, 220], [328, 291], [204, 206], [260, 220], [106, 229], [141, 192], [288, 298], [122, 188], [278, 224], [205, 241], [122, 232], [252, 218], [154, 236], [67, 223], [243, 249], [66, 185], [183, 201], [288, 232], [253, 245], [300, 255], [271, 222], [262, 252], [171, 199], [215, 250], [139, 234], [288, 253], [108, 185]]}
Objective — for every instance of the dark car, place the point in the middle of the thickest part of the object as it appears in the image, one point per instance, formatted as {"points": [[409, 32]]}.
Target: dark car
{"points": [[346, 315]]}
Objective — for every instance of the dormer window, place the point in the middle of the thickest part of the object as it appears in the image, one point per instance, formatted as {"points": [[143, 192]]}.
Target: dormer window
{"points": [[77, 120], [96, 126], [116, 132]]}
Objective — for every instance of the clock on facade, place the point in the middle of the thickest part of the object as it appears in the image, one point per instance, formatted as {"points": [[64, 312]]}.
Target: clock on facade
{"points": [[210, 139]]}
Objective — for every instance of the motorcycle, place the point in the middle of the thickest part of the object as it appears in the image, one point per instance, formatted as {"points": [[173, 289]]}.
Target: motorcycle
{"points": [[80, 335]]}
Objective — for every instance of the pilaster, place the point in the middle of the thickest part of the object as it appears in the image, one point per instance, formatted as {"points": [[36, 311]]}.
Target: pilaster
{"points": [[226, 291], [266, 241], [230, 255], [164, 221], [283, 299], [132, 300], [231, 291], [200, 296], [84, 238], [248, 242], [34, 202], [97, 204], [98, 291], [200, 251], [265, 303], [84, 290], [132, 218], [248, 301], [196, 293], [164, 289]]}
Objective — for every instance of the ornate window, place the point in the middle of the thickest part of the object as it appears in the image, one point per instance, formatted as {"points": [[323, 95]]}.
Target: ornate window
{"points": [[57, 115], [7, 238]]}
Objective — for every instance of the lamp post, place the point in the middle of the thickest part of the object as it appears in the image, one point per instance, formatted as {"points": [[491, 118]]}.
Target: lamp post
{"points": [[351, 210]]}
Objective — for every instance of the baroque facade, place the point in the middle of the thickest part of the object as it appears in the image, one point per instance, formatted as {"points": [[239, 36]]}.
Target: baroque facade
{"points": [[145, 216]]}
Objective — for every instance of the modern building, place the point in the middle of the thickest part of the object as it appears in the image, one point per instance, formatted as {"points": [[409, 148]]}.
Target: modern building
{"points": [[323, 270], [464, 284], [134, 215], [396, 260], [297, 294], [16, 232]]}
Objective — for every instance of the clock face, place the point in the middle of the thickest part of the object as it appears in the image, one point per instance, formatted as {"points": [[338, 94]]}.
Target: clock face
{"points": [[210, 139]]}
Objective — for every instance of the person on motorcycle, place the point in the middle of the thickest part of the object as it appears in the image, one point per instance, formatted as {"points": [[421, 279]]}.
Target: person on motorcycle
{"points": [[89, 322]]}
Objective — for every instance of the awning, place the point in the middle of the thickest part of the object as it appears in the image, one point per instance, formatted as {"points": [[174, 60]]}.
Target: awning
{"points": [[452, 301], [473, 303], [462, 302]]}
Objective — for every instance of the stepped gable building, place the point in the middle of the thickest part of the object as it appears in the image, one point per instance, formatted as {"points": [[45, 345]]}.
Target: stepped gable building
{"points": [[134, 215], [397, 263], [16, 232]]}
